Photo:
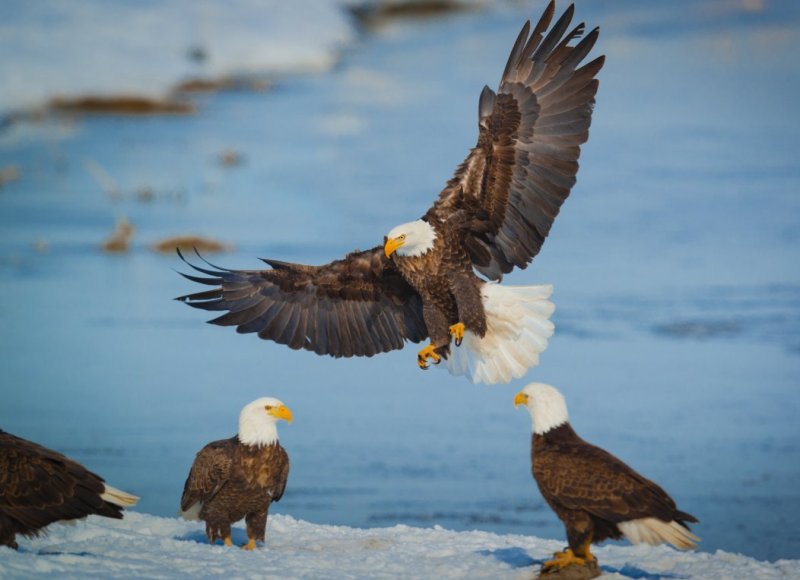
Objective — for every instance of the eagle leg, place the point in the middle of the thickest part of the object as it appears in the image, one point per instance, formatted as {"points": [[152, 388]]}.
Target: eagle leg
{"points": [[457, 330], [227, 541], [250, 545], [429, 352], [562, 560], [585, 551]]}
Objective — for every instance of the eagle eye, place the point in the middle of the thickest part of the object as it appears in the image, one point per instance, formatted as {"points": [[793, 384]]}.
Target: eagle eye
{"points": [[402, 236], [268, 407]]}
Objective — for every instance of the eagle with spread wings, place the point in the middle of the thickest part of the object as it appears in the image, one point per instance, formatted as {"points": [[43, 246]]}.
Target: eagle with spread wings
{"points": [[492, 216]]}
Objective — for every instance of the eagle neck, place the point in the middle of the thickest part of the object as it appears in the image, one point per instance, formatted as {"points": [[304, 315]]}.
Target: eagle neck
{"points": [[258, 434]]}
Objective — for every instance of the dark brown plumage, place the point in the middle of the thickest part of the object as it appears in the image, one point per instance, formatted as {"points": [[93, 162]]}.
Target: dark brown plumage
{"points": [[358, 306], [493, 215], [39, 486], [239, 477], [596, 495]]}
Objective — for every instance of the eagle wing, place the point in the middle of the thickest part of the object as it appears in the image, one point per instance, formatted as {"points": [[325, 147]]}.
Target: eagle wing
{"points": [[588, 478], [357, 306], [39, 486], [510, 187], [210, 472], [281, 474]]}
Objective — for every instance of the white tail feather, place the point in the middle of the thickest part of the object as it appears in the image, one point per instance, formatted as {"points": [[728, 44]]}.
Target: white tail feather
{"points": [[118, 497], [193, 513], [517, 329], [654, 531]]}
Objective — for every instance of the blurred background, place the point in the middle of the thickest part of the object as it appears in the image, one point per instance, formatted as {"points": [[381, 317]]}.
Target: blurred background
{"points": [[302, 130]]}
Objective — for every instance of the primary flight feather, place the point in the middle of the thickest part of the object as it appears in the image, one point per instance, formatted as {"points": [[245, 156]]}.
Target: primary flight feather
{"points": [[492, 216]]}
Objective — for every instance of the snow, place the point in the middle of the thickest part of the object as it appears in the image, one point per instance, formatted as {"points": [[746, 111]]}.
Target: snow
{"points": [[52, 48], [145, 546]]}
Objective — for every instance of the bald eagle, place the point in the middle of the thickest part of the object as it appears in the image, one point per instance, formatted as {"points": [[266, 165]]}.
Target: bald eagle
{"points": [[239, 477], [39, 486], [492, 216], [594, 494]]}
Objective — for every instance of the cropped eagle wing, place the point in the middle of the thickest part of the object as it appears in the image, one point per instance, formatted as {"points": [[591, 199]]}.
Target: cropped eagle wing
{"points": [[591, 479], [39, 486], [357, 306], [510, 187], [210, 472]]}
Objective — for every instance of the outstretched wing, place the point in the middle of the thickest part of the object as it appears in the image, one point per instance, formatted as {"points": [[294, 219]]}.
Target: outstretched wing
{"points": [[512, 184], [358, 306]]}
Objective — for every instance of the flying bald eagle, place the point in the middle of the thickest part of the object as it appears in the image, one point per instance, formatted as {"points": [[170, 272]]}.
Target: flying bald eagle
{"points": [[595, 495], [239, 477], [39, 486], [492, 216]]}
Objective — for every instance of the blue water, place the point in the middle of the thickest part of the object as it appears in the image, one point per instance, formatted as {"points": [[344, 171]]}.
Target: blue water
{"points": [[674, 261]]}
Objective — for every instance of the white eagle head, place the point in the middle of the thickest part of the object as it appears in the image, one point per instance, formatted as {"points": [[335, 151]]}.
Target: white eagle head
{"points": [[546, 405], [257, 421], [410, 240]]}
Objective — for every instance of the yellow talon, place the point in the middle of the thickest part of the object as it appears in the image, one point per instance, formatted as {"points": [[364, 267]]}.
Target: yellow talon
{"points": [[563, 559], [429, 352], [457, 330], [227, 541], [250, 545]]}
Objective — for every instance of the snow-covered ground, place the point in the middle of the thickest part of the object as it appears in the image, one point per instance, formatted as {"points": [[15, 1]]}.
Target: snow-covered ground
{"points": [[145, 546]]}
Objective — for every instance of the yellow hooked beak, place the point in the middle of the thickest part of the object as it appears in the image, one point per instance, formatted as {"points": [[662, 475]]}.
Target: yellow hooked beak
{"points": [[392, 244], [281, 412], [520, 399]]}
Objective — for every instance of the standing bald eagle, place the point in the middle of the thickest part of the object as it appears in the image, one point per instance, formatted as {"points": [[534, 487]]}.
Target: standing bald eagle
{"points": [[39, 486], [492, 216], [239, 477], [594, 494]]}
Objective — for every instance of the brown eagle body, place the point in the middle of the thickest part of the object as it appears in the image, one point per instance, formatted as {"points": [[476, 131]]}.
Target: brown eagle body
{"points": [[493, 215], [450, 289], [596, 495], [592, 491], [39, 486], [230, 481]]}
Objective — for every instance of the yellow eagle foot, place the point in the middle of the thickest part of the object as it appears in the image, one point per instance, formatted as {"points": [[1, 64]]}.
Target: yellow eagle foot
{"points": [[429, 352], [227, 541], [563, 559], [250, 545], [457, 330]]}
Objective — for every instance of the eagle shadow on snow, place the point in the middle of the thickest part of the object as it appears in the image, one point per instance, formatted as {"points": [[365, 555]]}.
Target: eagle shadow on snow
{"points": [[238, 537], [514, 557], [46, 552], [519, 558]]}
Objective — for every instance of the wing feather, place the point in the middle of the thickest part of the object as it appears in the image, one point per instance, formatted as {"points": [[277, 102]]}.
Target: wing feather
{"points": [[209, 473], [358, 306], [591, 479], [514, 181], [39, 486]]}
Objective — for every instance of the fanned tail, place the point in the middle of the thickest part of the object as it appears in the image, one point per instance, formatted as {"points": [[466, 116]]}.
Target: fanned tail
{"points": [[517, 329]]}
